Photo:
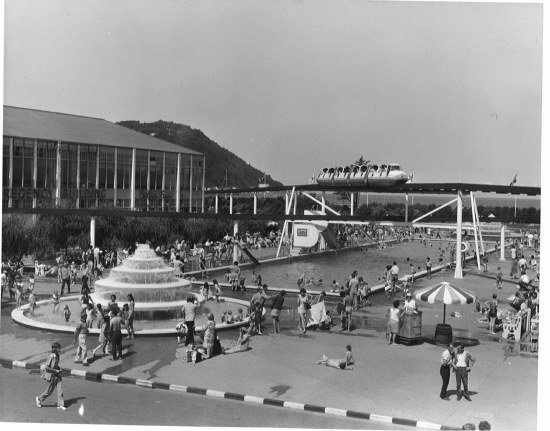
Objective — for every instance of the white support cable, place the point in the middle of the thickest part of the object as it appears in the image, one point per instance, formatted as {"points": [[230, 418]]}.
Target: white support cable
{"points": [[281, 239], [479, 226], [435, 210], [474, 221], [323, 204]]}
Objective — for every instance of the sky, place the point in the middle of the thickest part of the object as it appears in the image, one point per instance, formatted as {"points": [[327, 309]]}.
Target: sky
{"points": [[450, 91]]}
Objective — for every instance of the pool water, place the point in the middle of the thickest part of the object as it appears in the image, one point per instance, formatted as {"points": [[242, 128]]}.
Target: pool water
{"points": [[370, 264]]}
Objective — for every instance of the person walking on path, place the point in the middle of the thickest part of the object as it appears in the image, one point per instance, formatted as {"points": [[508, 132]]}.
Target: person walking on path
{"points": [[276, 308], [303, 306], [462, 364], [445, 370], [428, 268], [80, 335], [392, 328], [52, 374], [189, 312], [115, 334]]}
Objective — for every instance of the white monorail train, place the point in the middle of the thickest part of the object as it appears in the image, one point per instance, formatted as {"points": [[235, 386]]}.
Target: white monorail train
{"points": [[370, 175]]}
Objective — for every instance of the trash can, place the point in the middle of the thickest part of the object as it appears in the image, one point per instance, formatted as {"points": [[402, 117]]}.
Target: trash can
{"points": [[410, 329], [443, 334]]}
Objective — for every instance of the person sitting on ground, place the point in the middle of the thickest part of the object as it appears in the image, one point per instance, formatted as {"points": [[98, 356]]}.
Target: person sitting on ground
{"points": [[242, 342], [335, 287], [338, 363]]}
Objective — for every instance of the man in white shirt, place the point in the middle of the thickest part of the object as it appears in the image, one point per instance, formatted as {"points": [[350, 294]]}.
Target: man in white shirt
{"points": [[462, 364], [410, 304]]}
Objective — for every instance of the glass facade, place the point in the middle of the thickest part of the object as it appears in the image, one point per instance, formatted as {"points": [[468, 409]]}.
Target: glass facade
{"points": [[43, 174]]}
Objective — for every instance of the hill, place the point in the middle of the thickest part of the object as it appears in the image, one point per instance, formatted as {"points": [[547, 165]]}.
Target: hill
{"points": [[218, 159]]}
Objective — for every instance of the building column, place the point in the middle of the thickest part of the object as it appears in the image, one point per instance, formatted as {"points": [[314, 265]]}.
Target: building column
{"points": [[78, 176], [92, 230], [458, 267], [133, 181], [203, 181], [163, 178], [178, 183], [191, 184], [115, 179], [58, 174], [35, 175], [10, 199], [148, 176], [97, 178]]}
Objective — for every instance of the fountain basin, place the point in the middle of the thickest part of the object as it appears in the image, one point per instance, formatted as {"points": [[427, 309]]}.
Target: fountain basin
{"points": [[44, 319]]}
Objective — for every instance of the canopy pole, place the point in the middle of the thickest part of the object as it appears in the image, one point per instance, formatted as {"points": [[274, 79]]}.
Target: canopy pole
{"points": [[444, 312]]}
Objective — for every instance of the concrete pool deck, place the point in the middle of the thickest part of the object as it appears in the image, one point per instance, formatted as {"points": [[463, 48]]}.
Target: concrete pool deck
{"points": [[387, 381]]}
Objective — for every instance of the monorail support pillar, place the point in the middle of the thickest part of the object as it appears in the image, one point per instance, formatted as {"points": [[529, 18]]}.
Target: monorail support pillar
{"points": [[502, 239], [231, 203], [235, 247], [458, 267], [406, 208], [92, 231], [216, 204], [255, 204]]}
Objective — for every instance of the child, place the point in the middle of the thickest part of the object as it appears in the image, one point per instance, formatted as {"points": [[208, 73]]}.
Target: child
{"points": [[499, 278], [90, 314], [229, 317], [30, 289], [18, 294], [428, 268], [103, 336], [32, 303], [67, 313], [224, 316], [413, 273], [240, 316], [55, 301], [335, 287], [485, 263], [216, 290]]}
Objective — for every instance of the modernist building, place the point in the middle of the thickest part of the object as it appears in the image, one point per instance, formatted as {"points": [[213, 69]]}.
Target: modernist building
{"points": [[69, 161]]}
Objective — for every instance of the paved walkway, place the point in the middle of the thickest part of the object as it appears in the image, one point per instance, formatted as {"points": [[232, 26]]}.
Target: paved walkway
{"points": [[391, 381]]}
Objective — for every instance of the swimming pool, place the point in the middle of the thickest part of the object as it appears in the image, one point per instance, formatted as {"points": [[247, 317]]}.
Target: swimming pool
{"points": [[369, 263]]}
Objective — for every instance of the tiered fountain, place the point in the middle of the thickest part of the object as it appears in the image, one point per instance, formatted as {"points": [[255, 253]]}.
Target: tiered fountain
{"points": [[156, 288]]}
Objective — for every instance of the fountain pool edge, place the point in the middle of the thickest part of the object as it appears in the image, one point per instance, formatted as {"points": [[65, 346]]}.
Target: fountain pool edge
{"points": [[19, 317]]}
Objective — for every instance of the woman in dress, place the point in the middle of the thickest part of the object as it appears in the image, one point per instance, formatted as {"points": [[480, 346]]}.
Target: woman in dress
{"points": [[394, 313], [209, 335], [303, 299]]}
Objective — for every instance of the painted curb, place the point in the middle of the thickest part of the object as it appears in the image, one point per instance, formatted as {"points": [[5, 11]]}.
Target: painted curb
{"points": [[98, 377]]}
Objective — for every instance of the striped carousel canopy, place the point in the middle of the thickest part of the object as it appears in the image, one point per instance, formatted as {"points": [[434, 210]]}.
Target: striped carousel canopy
{"points": [[445, 293]]}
